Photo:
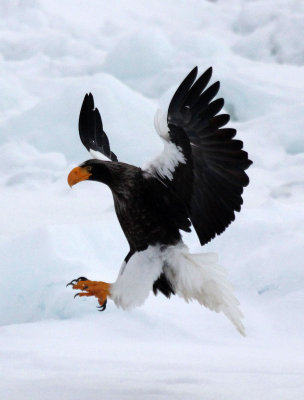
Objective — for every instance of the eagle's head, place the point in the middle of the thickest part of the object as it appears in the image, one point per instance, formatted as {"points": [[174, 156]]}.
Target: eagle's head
{"points": [[93, 170]]}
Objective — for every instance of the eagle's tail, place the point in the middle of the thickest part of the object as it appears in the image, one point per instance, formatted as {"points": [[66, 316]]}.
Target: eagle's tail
{"points": [[199, 277]]}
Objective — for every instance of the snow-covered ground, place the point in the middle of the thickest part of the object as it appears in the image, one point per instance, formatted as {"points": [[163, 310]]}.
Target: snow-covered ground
{"points": [[131, 55]]}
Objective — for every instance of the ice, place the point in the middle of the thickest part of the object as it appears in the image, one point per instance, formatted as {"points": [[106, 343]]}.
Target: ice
{"points": [[269, 31], [51, 125], [131, 56], [151, 51]]}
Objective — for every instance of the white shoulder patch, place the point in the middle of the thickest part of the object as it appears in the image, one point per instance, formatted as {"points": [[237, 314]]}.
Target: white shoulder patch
{"points": [[99, 156], [160, 124], [167, 161], [164, 165]]}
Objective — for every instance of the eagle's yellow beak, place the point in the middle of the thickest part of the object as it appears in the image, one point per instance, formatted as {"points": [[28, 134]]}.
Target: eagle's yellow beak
{"points": [[78, 174]]}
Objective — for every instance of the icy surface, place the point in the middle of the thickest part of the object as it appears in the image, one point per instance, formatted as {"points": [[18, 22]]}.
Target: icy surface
{"points": [[131, 55]]}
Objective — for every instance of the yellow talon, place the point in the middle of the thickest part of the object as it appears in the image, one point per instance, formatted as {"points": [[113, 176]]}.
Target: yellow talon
{"points": [[100, 290]]}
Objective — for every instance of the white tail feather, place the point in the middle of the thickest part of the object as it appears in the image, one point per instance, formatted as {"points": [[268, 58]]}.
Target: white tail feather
{"points": [[199, 277]]}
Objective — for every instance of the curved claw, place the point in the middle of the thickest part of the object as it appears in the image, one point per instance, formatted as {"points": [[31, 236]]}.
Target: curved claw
{"points": [[74, 281], [77, 294], [103, 307]]}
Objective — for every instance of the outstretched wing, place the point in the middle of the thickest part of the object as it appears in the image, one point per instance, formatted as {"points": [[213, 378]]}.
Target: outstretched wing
{"points": [[91, 131], [201, 162]]}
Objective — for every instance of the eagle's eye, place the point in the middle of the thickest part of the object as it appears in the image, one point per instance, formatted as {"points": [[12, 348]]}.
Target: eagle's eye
{"points": [[89, 168]]}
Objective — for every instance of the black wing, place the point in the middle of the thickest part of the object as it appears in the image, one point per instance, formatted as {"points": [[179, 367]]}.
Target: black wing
{"points": [[211, 177], [91, 131]]}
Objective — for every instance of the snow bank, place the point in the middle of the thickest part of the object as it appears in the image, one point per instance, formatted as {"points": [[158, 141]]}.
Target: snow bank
{"points": [[270, 31], [52, 124], [151, 52], [37, 265]]}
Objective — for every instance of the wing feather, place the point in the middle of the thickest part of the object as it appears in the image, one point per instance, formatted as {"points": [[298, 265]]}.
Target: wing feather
{"points": [[211, 178], [91, 131]]}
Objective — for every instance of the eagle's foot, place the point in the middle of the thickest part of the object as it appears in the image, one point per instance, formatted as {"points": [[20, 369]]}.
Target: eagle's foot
{"points": [[101, 290]]}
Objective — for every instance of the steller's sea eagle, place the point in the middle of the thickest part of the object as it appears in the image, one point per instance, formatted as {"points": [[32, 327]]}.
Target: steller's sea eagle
{"points": [[198, 179]]}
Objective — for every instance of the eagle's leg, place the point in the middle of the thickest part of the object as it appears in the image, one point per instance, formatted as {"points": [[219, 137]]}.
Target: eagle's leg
{"points": [[101, 290]]}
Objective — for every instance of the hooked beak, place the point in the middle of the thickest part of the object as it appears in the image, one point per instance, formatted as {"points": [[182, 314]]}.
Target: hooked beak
{"points": [[78, 174]]}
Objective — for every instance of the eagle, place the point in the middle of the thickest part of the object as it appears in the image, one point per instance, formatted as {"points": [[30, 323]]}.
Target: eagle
{"points": [[197, 181]]}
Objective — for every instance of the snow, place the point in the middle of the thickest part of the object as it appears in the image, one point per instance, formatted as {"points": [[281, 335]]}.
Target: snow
{"points": [[131, 57]]}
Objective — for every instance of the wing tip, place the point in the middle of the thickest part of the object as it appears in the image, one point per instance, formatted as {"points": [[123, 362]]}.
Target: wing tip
{"points": [[88, 101], [217, 84], [193, 74], [209, 71], [91, 131]]}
